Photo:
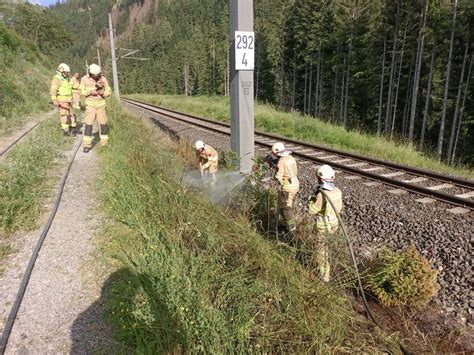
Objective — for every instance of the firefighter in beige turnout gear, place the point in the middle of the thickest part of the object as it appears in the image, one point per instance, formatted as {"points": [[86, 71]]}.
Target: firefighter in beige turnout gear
{"points": [[61, 96], [208, 160], [287, 176], [95, 88], [327, 223]]}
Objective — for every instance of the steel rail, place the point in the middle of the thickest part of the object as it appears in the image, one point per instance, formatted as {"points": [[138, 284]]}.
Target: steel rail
{"points": [[448, 198], [12, 144]]}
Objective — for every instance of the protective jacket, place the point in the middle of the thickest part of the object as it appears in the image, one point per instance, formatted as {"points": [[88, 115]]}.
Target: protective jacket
{"points": [[75, 84], [208, 156], [326, 219], [286, 175], [61, 88], [95, 92]]}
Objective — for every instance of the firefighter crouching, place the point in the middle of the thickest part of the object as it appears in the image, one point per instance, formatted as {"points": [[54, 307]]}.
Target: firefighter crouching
{"points": [[208, 160], [327, 223], [61, 96], [95, 88], [287, 176]]}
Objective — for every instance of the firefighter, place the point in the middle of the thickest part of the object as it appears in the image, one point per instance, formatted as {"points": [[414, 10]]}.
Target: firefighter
{"points": [[76, 92], [208, 160], [327, 223], [95, 88], [61, 96], [287, 176]]}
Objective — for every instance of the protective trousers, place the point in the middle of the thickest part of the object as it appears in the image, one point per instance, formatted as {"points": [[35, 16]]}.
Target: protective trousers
{"points": [[65, 115], [89, 118], [322, 252], [285, 206]]}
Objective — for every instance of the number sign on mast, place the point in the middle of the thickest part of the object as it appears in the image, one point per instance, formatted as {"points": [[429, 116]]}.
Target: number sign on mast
{"points": [[244, 50]]}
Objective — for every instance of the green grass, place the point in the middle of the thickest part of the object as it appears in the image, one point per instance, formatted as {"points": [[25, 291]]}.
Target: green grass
{"points": [[191, 278], [24, 81], [295, 125], [26, 176]]}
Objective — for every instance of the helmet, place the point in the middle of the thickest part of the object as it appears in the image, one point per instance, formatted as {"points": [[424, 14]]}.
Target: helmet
{"points": [[325, 172], [94, 69], [199, 145], [63, 67], [278, 148]]}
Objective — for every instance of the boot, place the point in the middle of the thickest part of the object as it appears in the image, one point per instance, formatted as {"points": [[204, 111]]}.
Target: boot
{"points": [[66, 133], [86, 149], [72, 131]]}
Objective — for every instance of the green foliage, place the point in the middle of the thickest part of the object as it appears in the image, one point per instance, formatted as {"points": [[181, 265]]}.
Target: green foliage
{"points": [[25, 176], [197, 280], [401, 278], [306, 128]]}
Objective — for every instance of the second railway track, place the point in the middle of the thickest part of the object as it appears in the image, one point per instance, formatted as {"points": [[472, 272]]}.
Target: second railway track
{"points": [[433, 186]]}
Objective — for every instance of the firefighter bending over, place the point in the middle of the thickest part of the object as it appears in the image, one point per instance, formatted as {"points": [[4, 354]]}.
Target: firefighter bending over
{"points": [[61, 96], [286, 175], [95, 88], [327, 223], [208, 160]]}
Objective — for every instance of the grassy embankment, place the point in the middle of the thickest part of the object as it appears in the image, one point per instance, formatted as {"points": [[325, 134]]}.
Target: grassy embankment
{"points": [[23, 81], [307, 128], [26, 179], [192, 278]]}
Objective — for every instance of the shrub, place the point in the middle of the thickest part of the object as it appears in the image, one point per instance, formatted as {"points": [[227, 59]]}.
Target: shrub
{"points": [[401, 278]]}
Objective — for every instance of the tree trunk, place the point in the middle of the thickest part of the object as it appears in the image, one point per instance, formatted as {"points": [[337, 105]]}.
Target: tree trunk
{"points": [[305, 87], [294, 86], [446, 86], [388, 108], [407, 100], [348, 76], [341, 105], [416, 79], [282, 75], [466, 89], [316, 89], [456, 109], [428, 96], [320, 96], [310, 84], [398, 84], [379, 118], [334, 94], [186, 79]]}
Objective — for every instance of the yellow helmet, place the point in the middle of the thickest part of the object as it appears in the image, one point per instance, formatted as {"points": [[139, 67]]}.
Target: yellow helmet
{"points": [[64, 68], [94, 69]]}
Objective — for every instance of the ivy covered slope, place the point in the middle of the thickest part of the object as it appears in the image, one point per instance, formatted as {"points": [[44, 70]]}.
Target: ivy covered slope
{"points": [[26, 33]]}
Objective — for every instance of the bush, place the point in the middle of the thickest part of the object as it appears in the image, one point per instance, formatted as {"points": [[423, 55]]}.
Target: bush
{"points": [[401, 278]]}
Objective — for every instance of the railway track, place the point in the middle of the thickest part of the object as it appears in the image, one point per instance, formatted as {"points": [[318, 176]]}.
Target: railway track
{"points": [[17, 139], [457, 192]]}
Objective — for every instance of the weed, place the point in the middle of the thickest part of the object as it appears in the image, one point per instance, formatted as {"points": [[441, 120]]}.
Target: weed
{"points": [[401, 278]]}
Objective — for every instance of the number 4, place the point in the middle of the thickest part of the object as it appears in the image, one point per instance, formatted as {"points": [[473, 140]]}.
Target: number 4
{"points": [[244, 60]]}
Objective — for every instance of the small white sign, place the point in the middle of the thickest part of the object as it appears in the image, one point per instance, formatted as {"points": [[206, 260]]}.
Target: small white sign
{"points": [[244, 50]]}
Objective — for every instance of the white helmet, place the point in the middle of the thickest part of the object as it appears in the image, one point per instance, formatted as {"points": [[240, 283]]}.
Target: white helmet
{"points": [[325, 172], [94, 69], [199, 145], [64, 68], [278, 148]]}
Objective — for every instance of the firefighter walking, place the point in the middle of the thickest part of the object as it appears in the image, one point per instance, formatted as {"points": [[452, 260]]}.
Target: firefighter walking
{"points": [[61, 96], [95, 88], [326, 223], [208, 160], [76, 95], [287, 176]]}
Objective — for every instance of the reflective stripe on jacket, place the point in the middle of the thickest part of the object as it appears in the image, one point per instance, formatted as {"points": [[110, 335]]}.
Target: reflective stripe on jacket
{"points": [[326, 218], [88, 89], [287, 172], [61, 89], [209, 156]]}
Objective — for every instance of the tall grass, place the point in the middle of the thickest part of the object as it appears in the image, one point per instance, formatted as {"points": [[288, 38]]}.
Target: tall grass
{"points": [[198, 280], [24, 81], [26, 176], [295, 125]]}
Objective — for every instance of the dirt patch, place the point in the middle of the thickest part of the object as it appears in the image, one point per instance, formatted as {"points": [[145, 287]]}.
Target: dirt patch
{"points": [[62, 310]]}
